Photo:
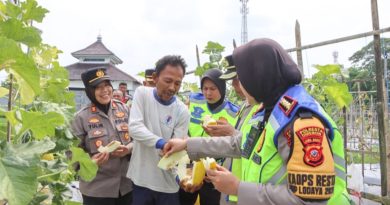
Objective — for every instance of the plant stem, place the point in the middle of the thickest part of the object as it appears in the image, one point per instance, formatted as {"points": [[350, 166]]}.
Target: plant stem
{"points": [[9, 108]]}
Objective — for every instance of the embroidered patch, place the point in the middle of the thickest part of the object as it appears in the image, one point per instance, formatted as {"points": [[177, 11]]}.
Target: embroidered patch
{"points": [[97, 133], [99, 73], [114, 106], [94, 120], [98, 143], [124, 127], [311, 186], [197, 113], [311, 138], [119, 114], [168, 120], [287, 104], [126, 136], [288, 136]]}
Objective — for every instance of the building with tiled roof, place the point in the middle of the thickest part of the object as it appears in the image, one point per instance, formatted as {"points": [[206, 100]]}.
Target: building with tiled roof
{"points": [[97, 55]]}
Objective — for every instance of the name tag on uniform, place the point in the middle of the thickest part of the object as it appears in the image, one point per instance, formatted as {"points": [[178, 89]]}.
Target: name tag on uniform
{"points": [[250, 142]]}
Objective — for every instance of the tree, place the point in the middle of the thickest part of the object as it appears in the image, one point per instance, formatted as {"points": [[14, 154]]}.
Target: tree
{"points": [[214, 51], [363, 66]]}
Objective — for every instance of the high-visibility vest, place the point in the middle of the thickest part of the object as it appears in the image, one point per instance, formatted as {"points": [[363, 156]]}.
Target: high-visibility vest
{"points": [[267, 166], [253, 117], [199, 109]]}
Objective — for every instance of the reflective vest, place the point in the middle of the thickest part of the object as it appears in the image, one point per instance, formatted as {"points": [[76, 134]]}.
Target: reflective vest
{"points": [[267, 166], [199, 109], [252, 119]]}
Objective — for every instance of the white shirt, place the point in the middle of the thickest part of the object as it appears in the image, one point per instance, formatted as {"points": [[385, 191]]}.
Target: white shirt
{"points": [[151, 120]]}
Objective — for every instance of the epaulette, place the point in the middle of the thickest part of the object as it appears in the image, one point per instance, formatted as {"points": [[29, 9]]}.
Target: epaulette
{"points": [[234, 108], [87, 107], [197, 96], [287, 105]]}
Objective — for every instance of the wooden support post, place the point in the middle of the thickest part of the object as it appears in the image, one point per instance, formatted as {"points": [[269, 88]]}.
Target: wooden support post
{"points": [[298, 44], [234, 44], [381, 105], [361, 138]]}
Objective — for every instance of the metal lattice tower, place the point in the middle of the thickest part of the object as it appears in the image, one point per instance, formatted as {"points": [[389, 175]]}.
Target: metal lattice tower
{"points": [[244, 29]]}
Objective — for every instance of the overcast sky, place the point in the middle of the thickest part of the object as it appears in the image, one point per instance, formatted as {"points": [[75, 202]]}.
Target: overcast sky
{"points": [[140, 32]]}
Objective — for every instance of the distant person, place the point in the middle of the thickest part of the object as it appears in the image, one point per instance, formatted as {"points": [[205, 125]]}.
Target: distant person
{"points": [[123, 88], [99, 123], [149, 82], [118, 95], [157, 116]]}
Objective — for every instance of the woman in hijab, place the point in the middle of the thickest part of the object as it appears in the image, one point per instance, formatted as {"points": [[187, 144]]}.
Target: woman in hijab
{"points": [[98, 124], [295, 154], [212, 103]]}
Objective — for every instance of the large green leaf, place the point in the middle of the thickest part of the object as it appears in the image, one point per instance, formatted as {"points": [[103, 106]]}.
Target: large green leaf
{"points": [[45, 54], [14, 29], [32, 11], [26, 150], [328, 69], [40, 124], [22, 67], [18, 170], [339, 93], [88, 168], [12, 10]]}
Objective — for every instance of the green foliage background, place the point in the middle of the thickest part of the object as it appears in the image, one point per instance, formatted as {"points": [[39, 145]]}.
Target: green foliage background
{"points": [[34, 164]]}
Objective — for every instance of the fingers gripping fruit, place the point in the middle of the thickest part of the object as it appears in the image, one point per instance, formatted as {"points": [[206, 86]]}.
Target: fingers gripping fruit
{"points": [[170, 162], [208, 120], [112, 146]]}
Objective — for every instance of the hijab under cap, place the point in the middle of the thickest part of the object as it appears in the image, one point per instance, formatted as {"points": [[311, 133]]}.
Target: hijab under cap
{"points": [[265, 70]]}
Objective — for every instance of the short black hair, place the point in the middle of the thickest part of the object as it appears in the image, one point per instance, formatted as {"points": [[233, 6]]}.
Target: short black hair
{"points": [[122, 83], [173, 60]]}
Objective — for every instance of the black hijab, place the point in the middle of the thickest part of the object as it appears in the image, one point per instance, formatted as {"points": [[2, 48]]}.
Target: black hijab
{"points": [[90, 91], [213, 75], [265, 70]]}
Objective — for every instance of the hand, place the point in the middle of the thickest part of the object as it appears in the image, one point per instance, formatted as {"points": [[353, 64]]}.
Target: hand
{"points": [[223, 128], [187, 187], [174, 145], [122, 150], [100, 158], [223, 180]]}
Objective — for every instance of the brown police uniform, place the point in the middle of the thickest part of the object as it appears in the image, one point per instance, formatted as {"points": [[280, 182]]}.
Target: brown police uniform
{"points": [[95, 128]]}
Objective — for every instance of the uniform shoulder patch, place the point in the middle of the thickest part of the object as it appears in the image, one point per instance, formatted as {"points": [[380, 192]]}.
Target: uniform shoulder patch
{"points": [[310, 167], [233, 107], [311, 138], [287, 105], [197, 96]]}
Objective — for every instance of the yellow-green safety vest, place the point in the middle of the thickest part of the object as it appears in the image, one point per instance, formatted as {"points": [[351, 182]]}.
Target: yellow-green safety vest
{"points": [[252, 119], [266, 165], [199, 109]]}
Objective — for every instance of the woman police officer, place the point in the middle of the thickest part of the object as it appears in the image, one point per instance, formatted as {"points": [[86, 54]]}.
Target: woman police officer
{"points": [[99, 123], [295, 154]]}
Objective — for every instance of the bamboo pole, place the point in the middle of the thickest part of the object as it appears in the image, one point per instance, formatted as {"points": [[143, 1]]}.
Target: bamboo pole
{"points": [[381, 104], [342, 39], [298, 44]]}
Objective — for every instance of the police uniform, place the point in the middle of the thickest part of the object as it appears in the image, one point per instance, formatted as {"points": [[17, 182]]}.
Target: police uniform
{"points": [[249, 115], [297, 155], [96, 128]]}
